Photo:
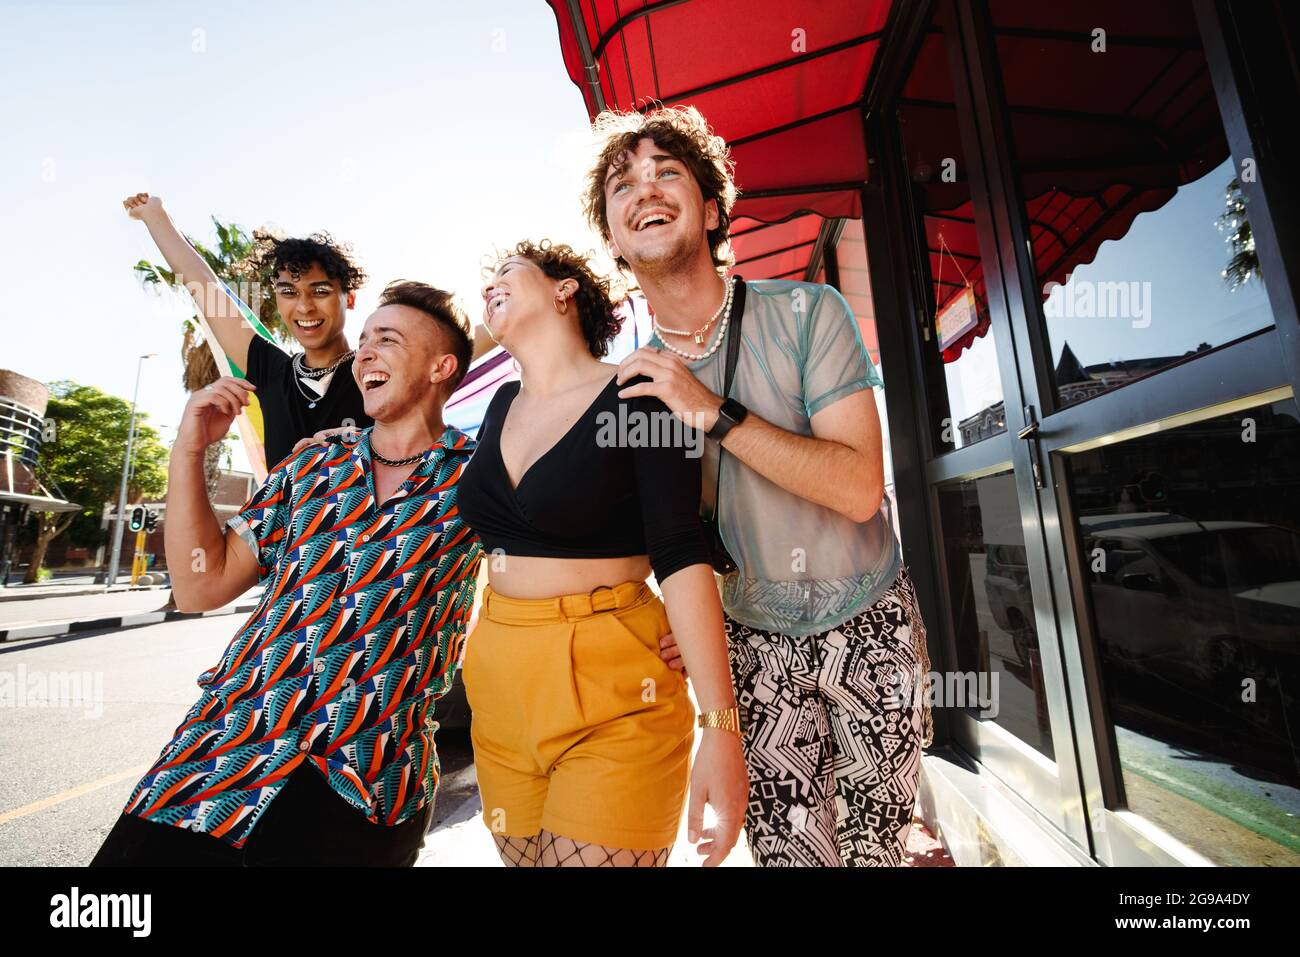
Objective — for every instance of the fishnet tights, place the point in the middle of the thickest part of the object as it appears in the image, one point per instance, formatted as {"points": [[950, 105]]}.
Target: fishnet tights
{"points": [[546, 849]]}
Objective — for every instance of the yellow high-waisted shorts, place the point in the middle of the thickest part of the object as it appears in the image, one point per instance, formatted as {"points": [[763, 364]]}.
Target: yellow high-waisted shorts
{"points": [[579, 727]]}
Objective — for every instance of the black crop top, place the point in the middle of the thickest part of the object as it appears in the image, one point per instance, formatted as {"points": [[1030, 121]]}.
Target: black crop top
{"points": [[596, 493]]}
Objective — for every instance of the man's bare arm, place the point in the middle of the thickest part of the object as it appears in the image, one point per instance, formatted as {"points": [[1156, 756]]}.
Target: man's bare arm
{"points": [[213, 301], [209, 565], [840, 466]]}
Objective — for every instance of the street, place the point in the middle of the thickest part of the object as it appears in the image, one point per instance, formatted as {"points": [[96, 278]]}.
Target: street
{"points": [[72, 763], [84, 715]]}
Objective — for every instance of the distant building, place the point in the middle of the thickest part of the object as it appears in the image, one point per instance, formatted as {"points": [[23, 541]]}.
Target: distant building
{"points": [[22, 429], [23, 404]]}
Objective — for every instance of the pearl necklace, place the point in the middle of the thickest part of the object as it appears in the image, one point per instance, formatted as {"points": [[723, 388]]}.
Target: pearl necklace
{"points": [[724, 310]]}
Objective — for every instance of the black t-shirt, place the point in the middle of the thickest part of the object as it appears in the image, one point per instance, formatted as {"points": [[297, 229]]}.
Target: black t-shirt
{"points": [[587, 496], [286, 412]]}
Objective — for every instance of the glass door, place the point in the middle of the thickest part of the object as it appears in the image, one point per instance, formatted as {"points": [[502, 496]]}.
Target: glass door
{"points": [[1004, 681], [1154, 353]]}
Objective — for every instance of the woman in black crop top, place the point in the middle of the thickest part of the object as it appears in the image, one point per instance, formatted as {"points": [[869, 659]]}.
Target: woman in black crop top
{"points": [[582, 734]]}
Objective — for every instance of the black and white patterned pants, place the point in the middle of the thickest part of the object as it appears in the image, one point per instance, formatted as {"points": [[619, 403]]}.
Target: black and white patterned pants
{"points": [[833, 731]]}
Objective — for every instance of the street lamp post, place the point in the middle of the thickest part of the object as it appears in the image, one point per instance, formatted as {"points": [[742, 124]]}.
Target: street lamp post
{"points": [[110, 579]]}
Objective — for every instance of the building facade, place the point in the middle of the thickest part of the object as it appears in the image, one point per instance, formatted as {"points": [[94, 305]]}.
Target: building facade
{"points": [[22, 430], [1069, 234]]}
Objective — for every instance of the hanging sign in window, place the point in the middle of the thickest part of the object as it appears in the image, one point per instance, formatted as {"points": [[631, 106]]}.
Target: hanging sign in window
{"points": [[957, 318]]}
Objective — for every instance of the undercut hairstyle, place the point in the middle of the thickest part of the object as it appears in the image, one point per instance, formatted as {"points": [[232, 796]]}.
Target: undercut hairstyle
{"points": [[439, 305], [598, 315], [272, 256], [681, 132]]}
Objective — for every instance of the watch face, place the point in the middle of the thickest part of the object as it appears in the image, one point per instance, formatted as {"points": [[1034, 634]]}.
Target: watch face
{"points": [[733, 410], [727, 417]]}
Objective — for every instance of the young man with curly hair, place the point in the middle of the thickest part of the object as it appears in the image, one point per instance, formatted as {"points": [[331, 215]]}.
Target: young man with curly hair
{"points": [[825, 641], [315, 282]]}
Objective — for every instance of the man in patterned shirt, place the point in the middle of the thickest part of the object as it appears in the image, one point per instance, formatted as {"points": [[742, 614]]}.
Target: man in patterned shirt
{"points": [[313, 739]]}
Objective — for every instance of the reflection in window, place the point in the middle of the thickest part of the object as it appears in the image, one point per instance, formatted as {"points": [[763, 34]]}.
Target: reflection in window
{"points": [[1191, 544], [958, 348], [993, 610], [1140, 239]]}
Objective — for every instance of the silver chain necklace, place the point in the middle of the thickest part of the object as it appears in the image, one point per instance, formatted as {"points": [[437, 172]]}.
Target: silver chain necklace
{"points": [[300, 365], [302, 371]]}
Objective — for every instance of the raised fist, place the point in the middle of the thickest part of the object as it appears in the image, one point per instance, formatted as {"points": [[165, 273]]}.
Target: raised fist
{"points": [[142, 205]]}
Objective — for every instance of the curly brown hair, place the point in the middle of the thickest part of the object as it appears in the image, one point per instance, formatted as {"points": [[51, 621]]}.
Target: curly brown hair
{"points": [[597, 305], [272, 255], [682, 132]]}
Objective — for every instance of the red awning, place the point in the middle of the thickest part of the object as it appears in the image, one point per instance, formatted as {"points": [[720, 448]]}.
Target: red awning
{"points": [[784, 91], [1097, 140], [774, 250], [1100, 143]]}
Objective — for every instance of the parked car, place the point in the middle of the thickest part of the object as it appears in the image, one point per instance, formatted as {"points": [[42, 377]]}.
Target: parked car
{"points": [[1211, 598]]}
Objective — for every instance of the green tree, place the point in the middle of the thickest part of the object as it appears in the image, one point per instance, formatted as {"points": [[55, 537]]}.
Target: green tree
{"points": [[83, 458], [1243, 261]]}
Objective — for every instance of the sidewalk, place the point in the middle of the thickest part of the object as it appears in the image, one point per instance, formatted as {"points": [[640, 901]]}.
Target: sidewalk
{"points": [[76, 608], [95, 603], [18, 590], [462, 840]]}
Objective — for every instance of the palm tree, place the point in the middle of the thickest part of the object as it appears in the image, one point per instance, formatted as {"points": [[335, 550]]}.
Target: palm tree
{"points": [[233, 263]]}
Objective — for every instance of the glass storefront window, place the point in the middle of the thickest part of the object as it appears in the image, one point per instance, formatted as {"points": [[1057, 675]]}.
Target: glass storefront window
{"points": [[1191, 546], [993, 609], [959, 348], [1140, 238]]}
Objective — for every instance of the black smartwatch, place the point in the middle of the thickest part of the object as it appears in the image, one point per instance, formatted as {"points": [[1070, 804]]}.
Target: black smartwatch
{"points": [[730, 415]]}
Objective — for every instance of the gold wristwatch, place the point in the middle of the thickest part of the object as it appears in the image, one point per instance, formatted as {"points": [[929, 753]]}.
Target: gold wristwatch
{"points": [[728, 719]]}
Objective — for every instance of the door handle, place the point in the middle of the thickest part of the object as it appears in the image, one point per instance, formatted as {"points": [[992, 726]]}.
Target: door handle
{"points": [[1030, 434]]}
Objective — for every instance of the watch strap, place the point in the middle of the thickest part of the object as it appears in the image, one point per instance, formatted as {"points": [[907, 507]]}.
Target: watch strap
{"points": [[728, 719], [731, 414]]}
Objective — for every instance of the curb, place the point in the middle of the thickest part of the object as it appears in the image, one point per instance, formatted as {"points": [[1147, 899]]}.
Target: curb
{"points": [[136, 620], [11, 595]]}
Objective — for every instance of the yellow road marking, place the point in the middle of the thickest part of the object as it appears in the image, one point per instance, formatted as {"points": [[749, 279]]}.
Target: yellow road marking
{"points": [[71, 793]]}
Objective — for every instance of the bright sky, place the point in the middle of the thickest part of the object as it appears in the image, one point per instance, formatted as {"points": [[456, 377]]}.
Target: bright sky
{"points": [[425, 134]]}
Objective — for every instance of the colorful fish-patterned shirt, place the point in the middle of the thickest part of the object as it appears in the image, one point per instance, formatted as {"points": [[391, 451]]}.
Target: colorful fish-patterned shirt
{"points": [[359, 631]]}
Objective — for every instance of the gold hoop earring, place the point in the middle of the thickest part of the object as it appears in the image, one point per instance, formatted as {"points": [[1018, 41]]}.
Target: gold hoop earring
{"points": [[562, 304]]}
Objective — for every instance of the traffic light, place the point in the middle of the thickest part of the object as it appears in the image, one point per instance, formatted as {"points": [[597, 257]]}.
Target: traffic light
{"points": [[150, 520], [137, 518]]}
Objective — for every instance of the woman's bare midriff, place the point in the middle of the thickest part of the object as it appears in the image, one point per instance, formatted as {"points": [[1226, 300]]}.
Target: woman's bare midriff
{"points": [[526, 576]]}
